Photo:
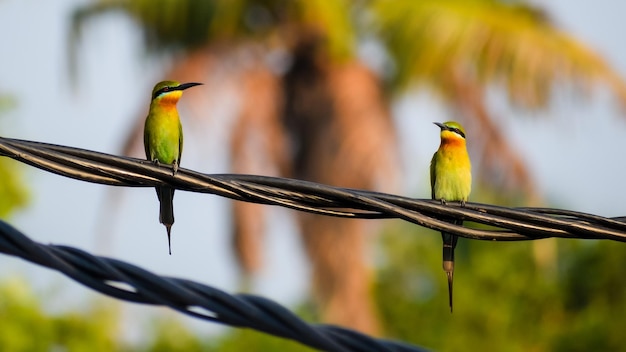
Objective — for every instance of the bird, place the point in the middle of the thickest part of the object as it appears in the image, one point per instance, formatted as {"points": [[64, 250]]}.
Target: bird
{"points": [[163, 141], [450, 181]]}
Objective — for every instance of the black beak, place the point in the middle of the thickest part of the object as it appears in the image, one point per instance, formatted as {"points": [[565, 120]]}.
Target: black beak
{"points": [[187, 85], [441, 125]]}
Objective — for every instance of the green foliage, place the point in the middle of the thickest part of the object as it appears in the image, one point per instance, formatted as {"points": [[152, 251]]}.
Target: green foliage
{"points": [[249, 340], [13, 192], [510, 43], [24, 326], [508, 297], [431, 42], [188, 24], [548, 295], [172, 335]]}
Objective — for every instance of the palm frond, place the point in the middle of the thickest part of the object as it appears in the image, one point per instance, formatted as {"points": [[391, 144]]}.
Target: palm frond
{"points": [[508, 43], [331, 19]]}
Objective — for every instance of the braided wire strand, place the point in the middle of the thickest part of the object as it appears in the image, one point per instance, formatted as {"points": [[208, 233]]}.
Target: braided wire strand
{"points": [[507, 224], [128, 282]]}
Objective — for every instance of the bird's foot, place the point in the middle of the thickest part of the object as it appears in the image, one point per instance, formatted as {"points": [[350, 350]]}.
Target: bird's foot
{"points": [[174, 167], [443, 201], [463, 203]]}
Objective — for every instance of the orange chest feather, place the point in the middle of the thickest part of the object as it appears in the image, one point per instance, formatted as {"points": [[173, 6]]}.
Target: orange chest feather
{"points": [[454, 150], [453, 143], [166, 105], [165, 111]]}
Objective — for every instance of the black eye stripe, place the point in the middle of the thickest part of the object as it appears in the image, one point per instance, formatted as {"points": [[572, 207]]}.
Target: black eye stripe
{"points": [[161, 91], [457, 131]]}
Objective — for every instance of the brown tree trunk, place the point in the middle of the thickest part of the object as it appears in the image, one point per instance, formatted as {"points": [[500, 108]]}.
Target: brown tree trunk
{"points": [[258, 146], [341, 135]]}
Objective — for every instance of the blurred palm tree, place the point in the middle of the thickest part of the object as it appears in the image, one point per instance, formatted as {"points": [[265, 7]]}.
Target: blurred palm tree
{"points": [[307, 106]]}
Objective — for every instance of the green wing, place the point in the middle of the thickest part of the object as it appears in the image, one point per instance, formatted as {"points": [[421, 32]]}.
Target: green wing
{"points": [[146, 147], [180, 141], [433, 175]]}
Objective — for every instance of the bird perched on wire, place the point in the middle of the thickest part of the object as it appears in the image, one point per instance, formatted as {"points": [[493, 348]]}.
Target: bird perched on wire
{"points": [[163, 141], [450, 180]]}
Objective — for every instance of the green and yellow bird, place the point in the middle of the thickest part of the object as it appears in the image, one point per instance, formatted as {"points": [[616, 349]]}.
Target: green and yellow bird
{"points": [[163, 141], [450, 181]]}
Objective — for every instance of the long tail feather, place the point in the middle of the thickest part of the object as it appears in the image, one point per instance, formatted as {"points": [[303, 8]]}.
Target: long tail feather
{"points": [[450, 275], [169, 241], [166, 211], [449, 244]]}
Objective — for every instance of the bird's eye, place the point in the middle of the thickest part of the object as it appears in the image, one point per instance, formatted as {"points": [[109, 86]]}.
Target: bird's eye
{"points": [[165, 89]]}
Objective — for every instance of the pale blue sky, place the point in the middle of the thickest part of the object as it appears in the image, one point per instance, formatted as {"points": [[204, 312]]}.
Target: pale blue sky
{"points": [[574, 150]]}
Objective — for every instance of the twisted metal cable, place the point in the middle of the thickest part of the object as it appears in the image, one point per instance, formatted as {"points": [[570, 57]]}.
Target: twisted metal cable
{"points": [[125, 281], [128, 282], [507, 224]]}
